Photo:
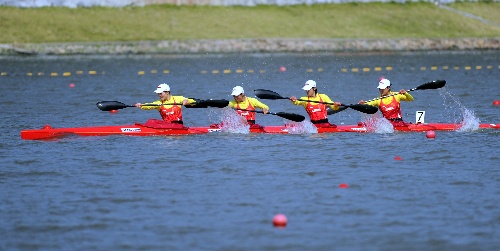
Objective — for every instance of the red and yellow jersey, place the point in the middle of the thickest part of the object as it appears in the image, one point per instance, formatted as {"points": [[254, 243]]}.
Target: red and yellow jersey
{"points": [[319, 97], [177, 100], [390, 106], [250, 116], [170, 110], [316, 111], [246, 104], [399, 97]]}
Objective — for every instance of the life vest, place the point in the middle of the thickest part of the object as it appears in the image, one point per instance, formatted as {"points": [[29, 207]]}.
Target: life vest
{"points": [[391, 111], [172, 114], [249, 116], [317, 111]]}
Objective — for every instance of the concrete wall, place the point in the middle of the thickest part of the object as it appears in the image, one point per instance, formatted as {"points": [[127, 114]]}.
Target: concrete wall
{"points": [[121, 3]]}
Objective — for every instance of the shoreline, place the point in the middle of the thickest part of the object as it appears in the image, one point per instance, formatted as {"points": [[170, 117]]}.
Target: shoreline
{"points": [[264, 45]]}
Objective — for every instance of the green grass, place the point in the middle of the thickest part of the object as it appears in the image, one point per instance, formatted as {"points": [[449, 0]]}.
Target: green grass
{"points": [[486, 11], [168, 22]]}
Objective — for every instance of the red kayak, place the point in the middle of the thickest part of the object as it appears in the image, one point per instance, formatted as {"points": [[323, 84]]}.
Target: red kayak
{"points": [[48, 132]]}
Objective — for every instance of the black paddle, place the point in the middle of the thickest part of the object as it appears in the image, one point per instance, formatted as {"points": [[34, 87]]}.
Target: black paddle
{"points": [[115, 105], [330, 111], [219, 103], [436, 84], [285, 115], [267, 94], [111, 105]]}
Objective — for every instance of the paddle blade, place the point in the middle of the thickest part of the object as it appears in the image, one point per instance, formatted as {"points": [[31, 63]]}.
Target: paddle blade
{"points": [[219, 103], [196, 105], [432, 85], [267, 94], [330, 111], [111, 105], [291, 116], [369, 109]]}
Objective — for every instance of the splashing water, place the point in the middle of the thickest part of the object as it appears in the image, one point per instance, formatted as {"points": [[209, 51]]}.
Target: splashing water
{"points": [[467, 119], [458, 114], [301, 127], [378, 124], [232, 122], [470, 122]]}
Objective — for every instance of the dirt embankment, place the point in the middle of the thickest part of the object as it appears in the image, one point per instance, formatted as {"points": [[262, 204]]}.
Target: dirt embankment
{"points": [[251, 46]]}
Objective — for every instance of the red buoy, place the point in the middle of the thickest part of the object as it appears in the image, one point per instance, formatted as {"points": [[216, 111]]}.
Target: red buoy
{"points": [[282, 69], [496, 102], [343, 185], [280, 220], [430, 134], [398, 158]]}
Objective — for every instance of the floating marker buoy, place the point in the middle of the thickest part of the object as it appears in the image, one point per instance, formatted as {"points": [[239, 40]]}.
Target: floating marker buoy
{"points": [[343, 185], [47, 126], [398, 158], [430, 134], [280, 220], [71, 85], [496, 102], [282, 69]]}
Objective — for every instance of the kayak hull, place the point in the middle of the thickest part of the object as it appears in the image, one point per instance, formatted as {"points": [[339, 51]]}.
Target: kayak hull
{"points": [[48, 132]]}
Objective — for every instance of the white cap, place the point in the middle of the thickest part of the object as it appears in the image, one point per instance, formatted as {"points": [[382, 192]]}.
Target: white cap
{"points": [[309, 84], [237, 90], [384, 83], [162, 88]]}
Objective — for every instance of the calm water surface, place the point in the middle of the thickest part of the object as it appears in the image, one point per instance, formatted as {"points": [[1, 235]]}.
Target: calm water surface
{"points": [[221, 191]]}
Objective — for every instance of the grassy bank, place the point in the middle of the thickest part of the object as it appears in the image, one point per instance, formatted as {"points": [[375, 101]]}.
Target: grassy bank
{"points": [[167, 22]]}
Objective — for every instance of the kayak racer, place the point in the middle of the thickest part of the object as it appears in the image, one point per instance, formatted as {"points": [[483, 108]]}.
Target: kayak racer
{"points": [[390, 106], [169, 106], [317, 110], [246, 106]]}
